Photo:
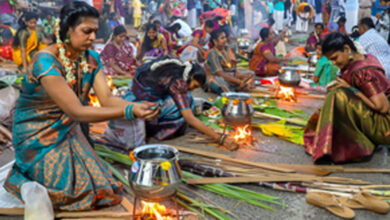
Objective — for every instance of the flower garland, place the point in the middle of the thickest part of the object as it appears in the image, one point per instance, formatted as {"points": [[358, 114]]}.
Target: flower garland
{"points": [[70, 67]]}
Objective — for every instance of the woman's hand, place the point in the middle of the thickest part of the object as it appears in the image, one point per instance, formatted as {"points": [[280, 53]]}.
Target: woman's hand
{"points": [[342, 83], [146, 110], [230, 144]]}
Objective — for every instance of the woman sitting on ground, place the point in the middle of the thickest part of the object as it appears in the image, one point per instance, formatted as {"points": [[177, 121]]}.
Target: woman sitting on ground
{"points": [[28, 40], [169, 82], [222, 74], [50, 134], [263, 61], [198, 45], [152, 44], [355, 116], [117, 56]]}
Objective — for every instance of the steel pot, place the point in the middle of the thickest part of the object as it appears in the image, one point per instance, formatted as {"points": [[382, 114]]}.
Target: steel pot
{"points": [[313, 59], [289, 76], [156, 173], [237, 108]]}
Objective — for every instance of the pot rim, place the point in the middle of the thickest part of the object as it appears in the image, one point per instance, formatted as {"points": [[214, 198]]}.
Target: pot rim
{"points": [[242, 95], [149, 146]]}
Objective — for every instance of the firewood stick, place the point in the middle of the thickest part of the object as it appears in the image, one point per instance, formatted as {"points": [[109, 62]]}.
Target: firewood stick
{"points": [[11, 211], [93, 214], [227, 158], [6, 132], [217, 180]]}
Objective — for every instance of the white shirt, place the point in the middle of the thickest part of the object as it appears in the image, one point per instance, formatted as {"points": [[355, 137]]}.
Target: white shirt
{"points": [[373, 43], [185, 30]]}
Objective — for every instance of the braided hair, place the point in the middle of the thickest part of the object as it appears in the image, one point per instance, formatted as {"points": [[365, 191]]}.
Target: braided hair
{"points": [[72, 15]]}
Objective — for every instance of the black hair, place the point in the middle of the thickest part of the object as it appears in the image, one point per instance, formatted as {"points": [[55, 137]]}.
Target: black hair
{"points": [[226, 29], [111, 16], [336, 42], [264, 33], [27, 16], [157, 22], [72, 15], [307, 8], [355, 32], [119, 30], [319, 43], [367, 22], [214, 35], [173, 27], [341, 19], [170, 70], [209, 24], [271, 21], [319, 24], [148, 43]]}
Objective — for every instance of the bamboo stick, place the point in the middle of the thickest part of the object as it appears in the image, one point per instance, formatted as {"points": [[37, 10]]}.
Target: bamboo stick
{"points": [[218, 180], [93, 214], [6, 132], [11, 211], [269, 116], [227, 158]]}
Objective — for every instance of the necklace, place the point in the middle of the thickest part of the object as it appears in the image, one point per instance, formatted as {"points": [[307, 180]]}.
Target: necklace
{"points": [[224, 58], [69, 66]]}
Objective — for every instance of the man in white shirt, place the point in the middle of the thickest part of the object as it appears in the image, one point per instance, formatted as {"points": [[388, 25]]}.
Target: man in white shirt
{"points": [[373, 43], [185, 30]]}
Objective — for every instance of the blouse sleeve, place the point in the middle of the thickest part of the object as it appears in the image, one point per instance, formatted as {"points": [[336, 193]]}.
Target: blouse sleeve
{"points": [[178, 90], [213, 61], [23, 36], [370, 81], [44, 65]]}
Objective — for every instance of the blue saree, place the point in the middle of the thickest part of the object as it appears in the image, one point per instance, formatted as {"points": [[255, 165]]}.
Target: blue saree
{"points": [[51, 149]]}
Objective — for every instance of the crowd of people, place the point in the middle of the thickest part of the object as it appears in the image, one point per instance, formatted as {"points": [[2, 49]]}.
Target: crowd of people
{"points": [[174, 54]]}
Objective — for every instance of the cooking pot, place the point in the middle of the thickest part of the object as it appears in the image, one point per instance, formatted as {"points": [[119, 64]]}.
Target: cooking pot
{"points": [[156, 173], [237, 108], [289, 76], [313, 59]]}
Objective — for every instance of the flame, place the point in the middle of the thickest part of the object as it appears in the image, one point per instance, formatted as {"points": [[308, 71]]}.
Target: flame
{"points": [[154, 210], [110, 82], [286, 93], [93, 100], [242, 135]]}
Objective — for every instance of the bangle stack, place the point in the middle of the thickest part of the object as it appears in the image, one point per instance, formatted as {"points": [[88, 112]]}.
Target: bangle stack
{"points": [[129, 112]]}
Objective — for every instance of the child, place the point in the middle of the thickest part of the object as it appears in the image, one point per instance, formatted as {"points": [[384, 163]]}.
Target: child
{"points": [[325, 71], [137, 12]]}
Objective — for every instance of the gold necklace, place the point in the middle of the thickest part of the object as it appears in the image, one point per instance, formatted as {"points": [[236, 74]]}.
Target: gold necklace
{"points": [[228, 63]]}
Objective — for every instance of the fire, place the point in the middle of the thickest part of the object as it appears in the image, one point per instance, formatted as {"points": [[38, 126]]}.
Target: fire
{"points": [[93, 100], [286, 93], [242, 135], [110, 82], [154, 210]]}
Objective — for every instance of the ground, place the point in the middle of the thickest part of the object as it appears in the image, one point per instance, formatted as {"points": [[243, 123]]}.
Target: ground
{"points": [[275, 150]]}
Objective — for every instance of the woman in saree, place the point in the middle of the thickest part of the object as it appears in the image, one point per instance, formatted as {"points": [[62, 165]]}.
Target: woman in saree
{"points": [[315, 37], [264, 62], [117, 56], [28, 40], [169, 82], [221, 70], [355, 117], [50, 134], [152, 44]]}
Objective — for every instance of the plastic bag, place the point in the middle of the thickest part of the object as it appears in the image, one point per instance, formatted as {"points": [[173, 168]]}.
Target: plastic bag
{"points": [[37, 202], [7, 200], [8, 97], [128, 134]]}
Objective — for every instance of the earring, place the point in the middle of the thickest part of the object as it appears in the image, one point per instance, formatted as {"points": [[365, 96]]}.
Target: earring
{"points": [[350, 56], [67, 39]]}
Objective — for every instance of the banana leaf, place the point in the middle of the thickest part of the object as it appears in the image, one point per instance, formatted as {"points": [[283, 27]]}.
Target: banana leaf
{"points": [[290, 133], [121, 82]]}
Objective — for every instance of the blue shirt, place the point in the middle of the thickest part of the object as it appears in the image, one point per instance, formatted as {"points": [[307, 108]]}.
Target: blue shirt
{"points": [[279, 6]]}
